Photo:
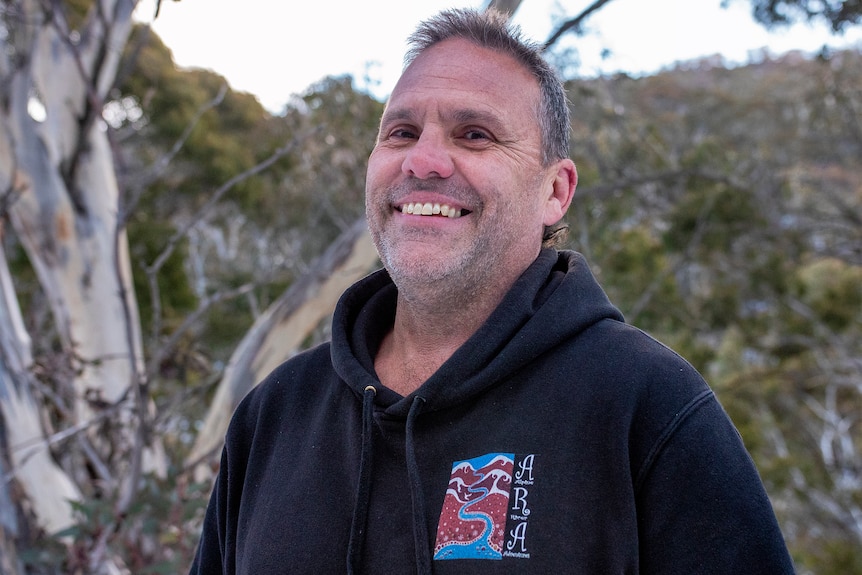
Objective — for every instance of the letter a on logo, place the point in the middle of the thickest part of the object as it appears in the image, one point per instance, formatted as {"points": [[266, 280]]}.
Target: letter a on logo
{"points": [[525, 468], [517, 536]]}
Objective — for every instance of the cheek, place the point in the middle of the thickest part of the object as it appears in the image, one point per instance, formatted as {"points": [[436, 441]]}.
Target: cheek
{"points": [[383, 165], [375, 185]]}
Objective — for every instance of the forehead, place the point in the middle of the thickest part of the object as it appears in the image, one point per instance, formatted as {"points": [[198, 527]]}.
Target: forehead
{"points": [[457, 72]]}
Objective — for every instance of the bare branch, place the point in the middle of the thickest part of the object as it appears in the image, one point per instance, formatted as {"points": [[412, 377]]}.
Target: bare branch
{"points": [[575, 23], [219, 193], [204, 306], [152, 270], [33, 446], [159, 167]]}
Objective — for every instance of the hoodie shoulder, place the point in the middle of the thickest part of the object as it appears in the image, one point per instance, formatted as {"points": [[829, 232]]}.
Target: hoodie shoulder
{"points": [[283, 390], [638, 365]]}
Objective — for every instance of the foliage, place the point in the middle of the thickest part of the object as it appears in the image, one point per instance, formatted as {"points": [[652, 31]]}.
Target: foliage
{"points": [[258, 233], [720, 210], [163, 513], [839, 14]]}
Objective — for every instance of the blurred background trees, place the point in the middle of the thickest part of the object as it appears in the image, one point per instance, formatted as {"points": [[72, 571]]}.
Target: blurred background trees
{"points": [[721, 209]]}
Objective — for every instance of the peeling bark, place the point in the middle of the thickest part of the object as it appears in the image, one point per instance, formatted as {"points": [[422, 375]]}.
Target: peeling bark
{"points": [[60, 193], [49, 488]]}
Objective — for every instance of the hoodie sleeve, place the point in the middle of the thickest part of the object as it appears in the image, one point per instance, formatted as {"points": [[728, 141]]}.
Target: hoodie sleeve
{"points": [[210, 556], [702, 506], [216, 552]]}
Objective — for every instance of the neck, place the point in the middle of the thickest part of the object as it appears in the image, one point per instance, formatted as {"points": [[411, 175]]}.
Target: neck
{"points": [[428, 330]]}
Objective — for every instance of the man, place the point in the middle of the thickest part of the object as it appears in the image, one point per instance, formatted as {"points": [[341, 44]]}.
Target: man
{"points": [[482, 407]]}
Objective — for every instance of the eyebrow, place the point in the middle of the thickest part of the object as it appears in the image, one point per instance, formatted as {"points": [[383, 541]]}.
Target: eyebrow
{"points": [[460, 116], [471, 115], [396, 115]]}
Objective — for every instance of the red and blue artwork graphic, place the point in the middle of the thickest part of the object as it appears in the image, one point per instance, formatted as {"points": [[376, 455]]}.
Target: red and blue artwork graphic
{"points": [[473, 520]]}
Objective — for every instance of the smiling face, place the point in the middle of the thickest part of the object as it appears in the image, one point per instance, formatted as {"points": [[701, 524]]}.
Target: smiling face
{"points": [[456, 194]]}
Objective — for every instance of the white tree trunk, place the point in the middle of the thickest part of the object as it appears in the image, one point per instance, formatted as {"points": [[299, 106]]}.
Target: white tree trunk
{"points": [[66, 213], [48, 488], [61, 191], [279, 332], [507, 7]]}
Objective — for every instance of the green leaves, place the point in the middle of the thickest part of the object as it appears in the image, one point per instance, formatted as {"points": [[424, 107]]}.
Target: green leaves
{"points": [[720, 209]]}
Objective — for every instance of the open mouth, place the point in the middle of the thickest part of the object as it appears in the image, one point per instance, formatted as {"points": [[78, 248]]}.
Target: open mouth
{"points": [[429, 209]]}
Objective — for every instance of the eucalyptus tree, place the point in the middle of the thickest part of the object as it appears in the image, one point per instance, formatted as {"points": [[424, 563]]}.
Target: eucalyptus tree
{"points": [[58, 62], [79, 437]]}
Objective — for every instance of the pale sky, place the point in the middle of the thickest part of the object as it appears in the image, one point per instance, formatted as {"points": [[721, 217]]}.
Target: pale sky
{"points": [[273, 49]]}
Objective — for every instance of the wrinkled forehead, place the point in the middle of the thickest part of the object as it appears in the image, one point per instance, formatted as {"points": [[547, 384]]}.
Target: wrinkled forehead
{"points": [[456, 70]]}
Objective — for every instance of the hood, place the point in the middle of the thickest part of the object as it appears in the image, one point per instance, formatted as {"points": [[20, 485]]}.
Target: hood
{"points": [[556, 298]]}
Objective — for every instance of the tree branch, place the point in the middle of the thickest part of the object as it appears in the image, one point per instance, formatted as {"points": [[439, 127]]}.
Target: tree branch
{"points": [[216, 197], [190, 320], [159, 167], [575, 23]]}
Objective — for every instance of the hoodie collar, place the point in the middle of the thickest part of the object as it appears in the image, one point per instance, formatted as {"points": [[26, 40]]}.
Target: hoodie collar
{"points": [[554, 299]]}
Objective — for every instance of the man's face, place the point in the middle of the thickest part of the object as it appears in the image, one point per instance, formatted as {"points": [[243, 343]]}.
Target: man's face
{"points": [[460, 139]]}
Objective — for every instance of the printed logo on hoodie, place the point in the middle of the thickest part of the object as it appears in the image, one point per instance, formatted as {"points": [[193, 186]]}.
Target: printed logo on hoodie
{"points": [[484, 495]]}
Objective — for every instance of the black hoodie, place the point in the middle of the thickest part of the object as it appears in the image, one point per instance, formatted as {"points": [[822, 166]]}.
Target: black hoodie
{"points": [[557, 439]]}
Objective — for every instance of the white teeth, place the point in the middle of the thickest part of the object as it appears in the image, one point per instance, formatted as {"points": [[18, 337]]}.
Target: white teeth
{"points": [[429, 209]]}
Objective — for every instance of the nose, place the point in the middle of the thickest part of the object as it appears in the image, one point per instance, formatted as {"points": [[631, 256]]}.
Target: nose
{"points": [[429, 157]]}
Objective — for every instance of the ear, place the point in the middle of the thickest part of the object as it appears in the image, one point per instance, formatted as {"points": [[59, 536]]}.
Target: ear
{"points": [[561, 191]]}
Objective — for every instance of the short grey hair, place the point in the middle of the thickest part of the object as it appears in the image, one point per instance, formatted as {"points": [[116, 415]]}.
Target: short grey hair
{"points": [[491, 29]]}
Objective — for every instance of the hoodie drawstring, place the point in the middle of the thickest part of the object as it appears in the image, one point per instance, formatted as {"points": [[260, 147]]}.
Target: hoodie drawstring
{"points": [[363, 491], [420, 528]]}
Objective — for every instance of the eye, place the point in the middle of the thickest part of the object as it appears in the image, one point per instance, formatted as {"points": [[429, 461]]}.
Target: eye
{"points": [[402, 133], [474, 134]]}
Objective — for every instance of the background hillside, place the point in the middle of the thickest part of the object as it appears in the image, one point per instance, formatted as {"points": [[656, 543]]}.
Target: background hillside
{"points": [[720, 208]]}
